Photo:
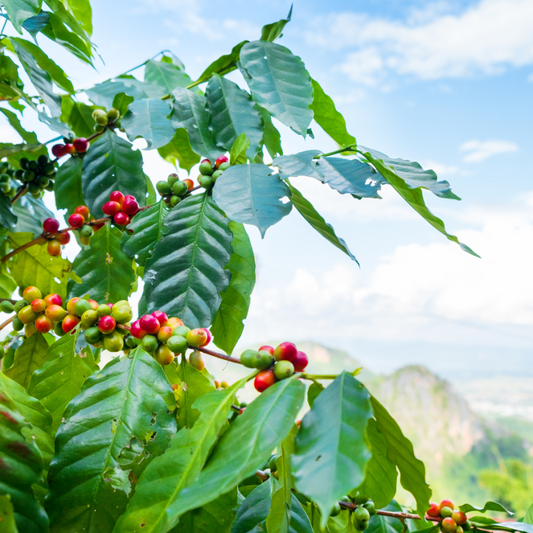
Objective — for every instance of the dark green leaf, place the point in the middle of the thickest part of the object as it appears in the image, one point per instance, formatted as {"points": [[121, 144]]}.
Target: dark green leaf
{"points": [[20, 10], [386, 524], [67, 186], [301, 164], [331, 452], [228, 324], [125, 408], [179, 151], [223, 64], [7, 515], [30, 356], [271, 136], [328, 118], [60, 379], [148, 118], [112, 164], [22, 466], [121, 102], [8, 219], [312, 393], [381, 474], [105, 270], [306, 209], [237, 153], [191, 260], [413, 196], [147, 231], [179, 467], [104, 93], [7, 149], [251, 194], [166, 75], [400, 452], [279, 82], [489, 506], [31, 212], [190, 112], [233, 112], [78, 116], [271, 32]]}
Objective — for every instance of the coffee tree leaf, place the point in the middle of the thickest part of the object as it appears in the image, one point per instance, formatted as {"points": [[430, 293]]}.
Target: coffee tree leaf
{"points": [[30, 356], [166, 75], [300, 164], [307, 210], [313, 391], [105, 270], [179, 151], [8, 219], [7, 283], [30, 213], [511, 526], [228, 324], [7, 515], [148, 118], [331, 449], [190, 259], [251, 194], [155, 510], [279, 82], [67, 186], [14, 122], [121, 102], [78, 116], [328, 118], [528, 518], [233, 112], [20, 10], [111, 164], [68, 16], [126, 406], [147, 229], [190, 112], [103, 94], [8, 149], [386, 524], [271, 32], [82, 11], [60, 379], [400, 452], [237, 153], [414, 196], [223, 65], [271, 135], [489, 506], [22, 467]]}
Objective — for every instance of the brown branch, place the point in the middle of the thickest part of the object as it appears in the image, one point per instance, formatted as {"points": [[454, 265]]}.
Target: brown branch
{"points": [[6, 323], [38, 240], [20, 192], [218, 355]]}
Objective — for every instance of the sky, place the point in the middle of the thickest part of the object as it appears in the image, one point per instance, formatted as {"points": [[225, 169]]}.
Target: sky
{"points": [[446, 83]]}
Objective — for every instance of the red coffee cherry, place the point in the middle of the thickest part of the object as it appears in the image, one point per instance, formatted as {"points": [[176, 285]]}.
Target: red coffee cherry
{"points": [[63, 238], [59, 150], [53, 299], [434, 510], [220, 160], [111, 208], [263, 380], [130, 205], [209, 337], [106, 324], [300, 361], [447, 503], [54, 247], [449, 525], [38, 305], [81, 145], [286, 351], [121, 219], [161, 317], [190, 183], [150, 324], [83, 210], [116, 196], [76, 220], [51, 225], [266, 348], [137, 331], [69, 323], [70, 148], [43, 324]]}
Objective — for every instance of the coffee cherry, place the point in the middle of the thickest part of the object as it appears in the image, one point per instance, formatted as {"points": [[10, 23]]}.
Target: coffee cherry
{"points": [[177, 344], [434, 510], [360, 498], [174, 200], [263, 380], [150, 343], [196, 337], [263, 360], [300, 362], [6, 306], [121, 219], [196, 360], [122, 313], [223, 166], [447, 503], [29, 330], [81, 306], [181, 331], [103, 310], [336, 510], [150, 324], [106, 324], [38, 305], [248, 358], [81, 145], [216, 175], [370, 507], [76, 220], [100, 117], [94, 304], [51, 225], [89, 318], [70, 305], [220, 160], [69, 323], [53, 299], [137, 331], [285, 351], [43, 324], [206, 182], [17, 324], [86, 232], [361, 514], [446, 512], [209, 337], [117, 196], [189, 183], [21, 304], [224, 385], [113, 114], [163, 355], [27, 315], [31, 293], [459, 529], [63, 238], [206, 169], [131, 342], [163, 187], [283, 369], [54, 248], [70, 148], [114, 341], [179, 188], [467, 526], [59, 150], [174, 322], [93, 335], [267, 348], [160, 316], [164, 333], [448, 525], [111, 208], [459, 517], [83, 210], [55, 313], [130, 205]]}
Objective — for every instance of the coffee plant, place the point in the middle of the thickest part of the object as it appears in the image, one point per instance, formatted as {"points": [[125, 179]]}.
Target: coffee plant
{"points": [[151, 442]]}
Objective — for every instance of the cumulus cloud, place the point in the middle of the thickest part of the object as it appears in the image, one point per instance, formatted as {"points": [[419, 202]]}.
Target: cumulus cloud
{"points": [[480, 150]]}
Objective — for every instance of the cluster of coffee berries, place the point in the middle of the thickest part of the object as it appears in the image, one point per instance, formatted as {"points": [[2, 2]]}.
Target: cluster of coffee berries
{"points": [[37, 176], [453, 520], [75, 146], [209, 173], [104, 119], [56, 239], [275, 364], [362, 514], [80, 220], [173, 189], [163, 337], [121, 208]]}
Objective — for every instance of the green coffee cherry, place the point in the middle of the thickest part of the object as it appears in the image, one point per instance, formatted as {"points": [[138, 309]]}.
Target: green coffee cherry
{"points": [[100, 117], [181, 331], [180, 188], [174, 200], [130, 341], [122, 313], [283, 369], [17, 324], [206, 169], [28, 176], [6, 306], [360, 498], [4, 178], [93, 335], [98, 128], [58, 329], [177, 344], [206, 182], [86, 232], [113, 114], [361, 515], [163, 188], [263, 360], [370, 507], [89, 317], [103, 310], [81, 306], [224, 166], [150, 343], [248, 358], [172, 178], [336, 510], [272, 465], [113, 342], [216, 174]]}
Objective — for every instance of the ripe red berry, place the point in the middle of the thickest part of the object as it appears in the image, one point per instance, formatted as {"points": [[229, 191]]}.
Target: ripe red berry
{"points": [[54, 248], [83, 210], [63, 238], [300, 361], [263, 380], [266, 348], [286, 351], [116, 196], [459, 517], [161, 317], [38, 305], [121, 219], [220, 160], [70, 148], [69, 323], [81, 145], [434, 509], [137, 331], [190, 183], [150, 324], [43, 324], [130, 205], [447, 503], [111, 208], [51, 225], [59, 150], [106, 324], [76, 220], [53, 299], [209, 337]]}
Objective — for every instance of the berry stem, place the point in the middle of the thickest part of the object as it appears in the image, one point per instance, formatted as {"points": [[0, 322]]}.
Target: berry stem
{"points": [[20, 192], [7, 322], [348, 148], [219, 355]]}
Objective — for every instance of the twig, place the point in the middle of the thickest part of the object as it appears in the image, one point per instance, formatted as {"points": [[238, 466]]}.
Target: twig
{"points": [[38, 240], [20, 192], [314, 377], [348, 148], [6, 323], [219, 355]]}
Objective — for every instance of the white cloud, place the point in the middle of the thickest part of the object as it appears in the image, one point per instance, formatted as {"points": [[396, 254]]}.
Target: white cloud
{"points": [[485, 38], [480, 150]]}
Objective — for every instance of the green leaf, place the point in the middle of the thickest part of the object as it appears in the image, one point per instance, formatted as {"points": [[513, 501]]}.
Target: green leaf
{"points": [[271, 32], [386, 524], [313, 391], [121, 102], [179, 151], [7, 283], [244, 447], [30, 356], [105, 270], [190, 112], [7, 150], [14, 122], [60, 379], [237, 153], [146, 231], [223, 65], [251, 194], [22, 466], [381, 475], [179, 467], [512, 526], [306, 209], [78, 116], [300, 164], [271, 136], [7, 515], [331, 452], [400, 452], [166, 75], [233, 112], [191, 260], [45, 63], [279, 82], [67, 186], [68, 17], [103, 94], [20, 10], [228, 324], [528, 518], [30, 212], [148, 118], [82, 11], [8, 219], [112, 164], [328, 118], [126, 407], [413, 196], [489, 506]]}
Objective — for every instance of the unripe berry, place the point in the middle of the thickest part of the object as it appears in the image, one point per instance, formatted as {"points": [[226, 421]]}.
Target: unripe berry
{"points": [[103, 310], [286, 351], [54, 248], [370, 507], [300, 361], [55, 313], [434, 510], [447, 503], [164, 333], [149, 343], [361, 514], [459, 517], [336, 510], [6, 306], [459, 529], [17, 324], [196, 337], [81, 306], [163, 187], [29, 330], [121, 219], [38, 305], [63, 238], [448, 525], [43, 324], [130, 206], [131, 342], [111, 208], [70, 148], [89, 318], [174, 200], [224, 166], [83, 210], [31, 293], [81, 145], [220, 160], [360, 498], [216, 175], [69, 323], [59, 150], [267, 348], [248, 358], [86, 232], [180, 188], [205, 181], [113, 342], [174, 322], [445, 512], [163, 355], [181, 331], [262, 360], [106, 324], [224, 385], [150, 324], [283, 369], [117, 196], [76, 220], [58, 329], [93, 335], [101, 117], [113, 114], [27, 315], [189, 183], [263, 380], [122, 313], [51, 225], [196, 360], [137, 331], [53, 299], [177, 344], [206, 169], [71, 305], [160, 316]]}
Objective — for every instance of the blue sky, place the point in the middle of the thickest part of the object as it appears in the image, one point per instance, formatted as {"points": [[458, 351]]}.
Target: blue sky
{"points": [[448, 84]]}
